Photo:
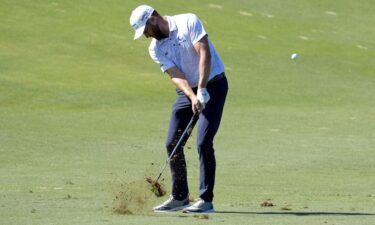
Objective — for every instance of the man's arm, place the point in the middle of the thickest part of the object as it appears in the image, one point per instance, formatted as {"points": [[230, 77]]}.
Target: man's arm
{"points": [[203, 50], [179, 80]]}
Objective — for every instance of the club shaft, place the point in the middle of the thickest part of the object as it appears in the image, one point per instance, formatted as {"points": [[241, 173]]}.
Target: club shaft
{"points": [[181, 141]]}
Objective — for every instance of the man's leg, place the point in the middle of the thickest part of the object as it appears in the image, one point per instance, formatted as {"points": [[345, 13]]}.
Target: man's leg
{"points": [[179, 119], [208, 124]]}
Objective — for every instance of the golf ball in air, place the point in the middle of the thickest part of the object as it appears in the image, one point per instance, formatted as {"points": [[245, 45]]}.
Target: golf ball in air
{"points": [[294, 56]]}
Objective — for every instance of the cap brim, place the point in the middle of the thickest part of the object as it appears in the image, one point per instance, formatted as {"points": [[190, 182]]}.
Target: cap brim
{"points": [[139, 32]]}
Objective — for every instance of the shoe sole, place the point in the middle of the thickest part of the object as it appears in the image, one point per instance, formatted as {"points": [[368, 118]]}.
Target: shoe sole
{"points": [[207, 211], [171, 210]]}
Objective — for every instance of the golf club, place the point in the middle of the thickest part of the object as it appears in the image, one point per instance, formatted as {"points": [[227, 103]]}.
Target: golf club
{"points": [[181, 142]]}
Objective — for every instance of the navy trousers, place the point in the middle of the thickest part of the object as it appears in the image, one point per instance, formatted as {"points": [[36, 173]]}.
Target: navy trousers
{"points": [[208, 124]]}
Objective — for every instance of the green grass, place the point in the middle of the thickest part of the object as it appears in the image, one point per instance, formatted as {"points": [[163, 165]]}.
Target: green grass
{"points": [[84, 112]]}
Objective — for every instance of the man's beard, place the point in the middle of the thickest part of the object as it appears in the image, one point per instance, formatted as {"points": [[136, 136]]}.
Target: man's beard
{"points": [[157, 33]]}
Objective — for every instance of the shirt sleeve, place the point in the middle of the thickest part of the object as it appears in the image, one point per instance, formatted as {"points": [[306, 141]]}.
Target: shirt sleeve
{"points": [[195, 28], [164, 62]]}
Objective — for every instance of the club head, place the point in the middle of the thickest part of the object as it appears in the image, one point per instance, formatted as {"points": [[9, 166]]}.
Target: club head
{"points": [[156, 187]]}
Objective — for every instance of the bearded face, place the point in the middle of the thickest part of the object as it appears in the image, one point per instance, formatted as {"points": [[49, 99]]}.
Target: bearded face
{"points": [[153, 30], [157, 34]]}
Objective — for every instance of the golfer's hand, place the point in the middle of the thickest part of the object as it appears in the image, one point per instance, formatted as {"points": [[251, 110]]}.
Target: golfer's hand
{"points": [[203, 96], [197, 105]]}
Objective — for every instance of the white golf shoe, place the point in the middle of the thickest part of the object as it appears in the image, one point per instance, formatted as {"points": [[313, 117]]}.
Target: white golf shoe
{"points": [[172, 205], [200, 206]]}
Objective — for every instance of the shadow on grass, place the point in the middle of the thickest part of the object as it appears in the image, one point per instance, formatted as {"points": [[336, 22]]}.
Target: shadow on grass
{"points": [[299, 213]]}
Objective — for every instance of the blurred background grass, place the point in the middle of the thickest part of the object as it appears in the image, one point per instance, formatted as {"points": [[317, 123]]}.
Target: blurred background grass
{"points": [[84, 111]]}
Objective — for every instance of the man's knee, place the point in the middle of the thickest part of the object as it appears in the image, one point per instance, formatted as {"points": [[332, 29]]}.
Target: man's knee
{"points": [[205, 147]]}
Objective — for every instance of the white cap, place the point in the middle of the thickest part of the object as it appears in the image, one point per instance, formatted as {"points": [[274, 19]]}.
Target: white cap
{"points": [[138, 19]]}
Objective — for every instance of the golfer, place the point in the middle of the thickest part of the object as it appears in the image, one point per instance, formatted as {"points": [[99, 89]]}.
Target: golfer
{"points": [[181, 47]]}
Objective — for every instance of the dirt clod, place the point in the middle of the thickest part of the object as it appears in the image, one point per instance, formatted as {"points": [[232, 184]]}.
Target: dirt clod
{"points": [[202, 217], [267, 203], [286, 208], [156, 187]]}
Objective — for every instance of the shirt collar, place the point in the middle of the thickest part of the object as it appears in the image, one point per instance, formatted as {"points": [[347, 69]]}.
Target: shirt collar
{"points": [[172, 27], [171, 24]]}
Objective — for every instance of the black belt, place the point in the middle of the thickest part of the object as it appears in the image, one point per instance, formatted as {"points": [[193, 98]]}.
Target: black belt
{"points": [[217, 77]]}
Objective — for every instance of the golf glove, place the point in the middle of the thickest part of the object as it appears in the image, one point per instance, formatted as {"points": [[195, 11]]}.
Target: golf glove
{"points": [[203, 96]]}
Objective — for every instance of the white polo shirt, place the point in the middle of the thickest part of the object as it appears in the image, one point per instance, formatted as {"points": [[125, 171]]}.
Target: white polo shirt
{"points": [[178, 49]]}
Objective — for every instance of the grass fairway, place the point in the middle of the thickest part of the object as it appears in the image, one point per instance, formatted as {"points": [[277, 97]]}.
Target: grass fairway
{"points": [[84, 113]]}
